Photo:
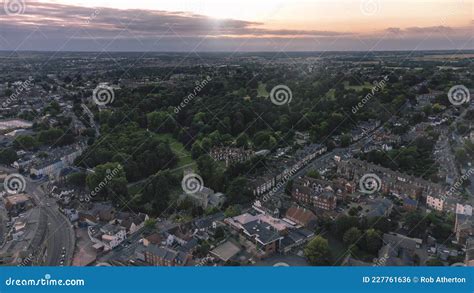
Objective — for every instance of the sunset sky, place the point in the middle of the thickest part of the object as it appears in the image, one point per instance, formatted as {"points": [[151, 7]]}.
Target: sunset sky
{"points": [[229, 25]]}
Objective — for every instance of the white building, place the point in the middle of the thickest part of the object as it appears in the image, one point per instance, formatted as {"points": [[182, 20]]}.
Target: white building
{"points": [[58, 159], [107, 236], [464, 209]]}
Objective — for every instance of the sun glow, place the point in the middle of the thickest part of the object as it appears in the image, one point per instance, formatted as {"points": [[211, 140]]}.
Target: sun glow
{"points": [[340, 15]]}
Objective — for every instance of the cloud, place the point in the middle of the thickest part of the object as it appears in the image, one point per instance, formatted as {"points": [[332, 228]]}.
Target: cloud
{"points": [[440, 29], [107, 22], [50, 26]]}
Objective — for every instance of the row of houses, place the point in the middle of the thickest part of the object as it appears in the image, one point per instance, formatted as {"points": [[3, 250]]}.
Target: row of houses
{"points": [[399, 184], [108, 228], [286, 169], [56, 160], [231, 155], [314, 192], [51, 162]]}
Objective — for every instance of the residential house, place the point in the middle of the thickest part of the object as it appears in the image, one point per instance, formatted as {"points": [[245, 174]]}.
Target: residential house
{"points": [[314, 192], [164, 256], [231, 155], [206, 197], [301, 216], [295, 238], [98, 212], [464, 209], [106, 236], [410, 204], [56, 160], [284, 169], [130, 221], [398, 250], [379, 207]]}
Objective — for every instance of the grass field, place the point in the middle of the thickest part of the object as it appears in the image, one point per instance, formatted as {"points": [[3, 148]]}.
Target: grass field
{"points": [[357, 88], [262, 90], [184, 160], [178, 148], [331, 94]]}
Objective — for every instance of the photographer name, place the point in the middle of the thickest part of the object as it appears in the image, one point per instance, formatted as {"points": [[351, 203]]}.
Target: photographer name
{"points": [[442, 280]]}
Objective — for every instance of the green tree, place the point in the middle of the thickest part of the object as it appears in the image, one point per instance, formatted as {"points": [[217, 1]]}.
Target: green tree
{"points": [[289, 187], [352, 236], [7, 156], [160, 122], [313, 174], [317, 252], [157, 191], [373, 241], [109, 182], [150, 223], [238, 191], [416, 224], [50, 136], [25, 142], [346, 140], [242, 140], [344, 223], [77, 179], [232, 211]]}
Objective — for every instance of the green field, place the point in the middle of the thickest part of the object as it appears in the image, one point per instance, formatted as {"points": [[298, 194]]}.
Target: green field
{"points": [[184, 156], [357, 88], [184, 160], [262, 90], [331, 94]]}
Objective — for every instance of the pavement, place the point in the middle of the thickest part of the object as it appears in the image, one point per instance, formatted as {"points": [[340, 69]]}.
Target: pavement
{"points": [[85, 253]]}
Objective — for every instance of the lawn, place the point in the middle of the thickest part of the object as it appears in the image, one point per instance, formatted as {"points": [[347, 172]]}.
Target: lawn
{"points": [[357, 88], [184, 160], [262, 90], [181, 152], [331, 94]]}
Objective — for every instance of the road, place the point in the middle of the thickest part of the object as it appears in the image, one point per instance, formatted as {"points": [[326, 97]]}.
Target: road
{"points": [[60, 238]]}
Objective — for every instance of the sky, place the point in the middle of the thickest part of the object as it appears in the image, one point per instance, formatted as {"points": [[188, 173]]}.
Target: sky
{"points": [[229, 25]]}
